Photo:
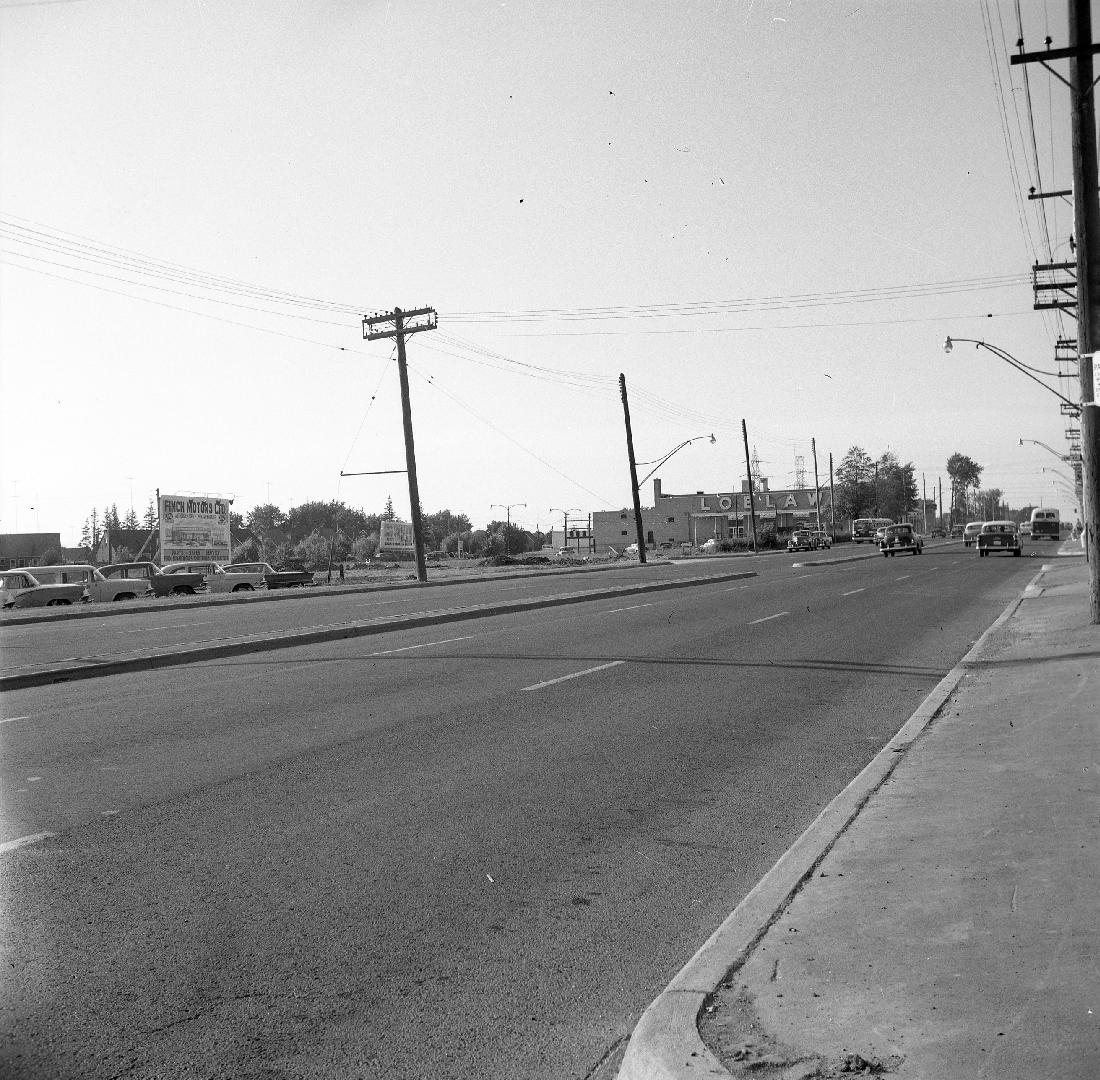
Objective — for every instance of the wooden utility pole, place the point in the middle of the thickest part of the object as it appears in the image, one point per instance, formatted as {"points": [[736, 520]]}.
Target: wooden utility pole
{"points": [[633, 472], [752, 494], [832, 502], [1086, 234], [817, 486], [400, 330]]}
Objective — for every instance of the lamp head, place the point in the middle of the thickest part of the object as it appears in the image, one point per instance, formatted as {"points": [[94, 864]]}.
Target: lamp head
{"points": [[713, 440], [948, 344]]}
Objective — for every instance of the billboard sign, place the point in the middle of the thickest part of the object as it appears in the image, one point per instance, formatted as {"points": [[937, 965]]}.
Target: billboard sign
{"points": [[193, 528], [396, 536]]}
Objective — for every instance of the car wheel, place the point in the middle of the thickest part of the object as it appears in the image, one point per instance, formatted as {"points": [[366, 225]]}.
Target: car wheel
{"points": [[125, 596], [1016, 552], [243, 587], [183, 590], [58, 602]]}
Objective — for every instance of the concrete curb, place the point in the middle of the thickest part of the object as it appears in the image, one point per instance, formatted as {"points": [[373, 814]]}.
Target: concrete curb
{"points": [[287, 639], [666, 1044]]}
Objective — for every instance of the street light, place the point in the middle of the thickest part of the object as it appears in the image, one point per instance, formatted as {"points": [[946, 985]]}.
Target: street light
{"points": [[507, 508], [1019, 365], [675, 449], [1068, 458], [1057, 472]]}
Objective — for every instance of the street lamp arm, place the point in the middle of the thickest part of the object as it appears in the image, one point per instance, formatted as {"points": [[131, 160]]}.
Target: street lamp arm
{"points": [[1009, 359], [675, 449]]}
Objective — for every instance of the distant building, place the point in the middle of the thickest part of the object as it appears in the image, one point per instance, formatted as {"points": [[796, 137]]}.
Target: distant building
{"points": [[722, 515], [28, 549]]}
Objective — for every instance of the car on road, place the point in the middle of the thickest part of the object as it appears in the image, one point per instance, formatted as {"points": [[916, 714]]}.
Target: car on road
{"points": [[273, 579], [999, 536], [821, 538], [956, 532], [938, 534], [1025, 528], [801, 540], [970, 532], [866, 529], [21, 589], [899, 538], [216, 578]]}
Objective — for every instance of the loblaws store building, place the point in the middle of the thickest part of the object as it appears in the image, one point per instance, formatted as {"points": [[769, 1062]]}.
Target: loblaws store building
{"points": [[674, 520]]}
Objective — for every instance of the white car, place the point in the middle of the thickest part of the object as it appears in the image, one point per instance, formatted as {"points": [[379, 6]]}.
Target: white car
{"points": [[21, 589], [245, 577], [970, 533]]}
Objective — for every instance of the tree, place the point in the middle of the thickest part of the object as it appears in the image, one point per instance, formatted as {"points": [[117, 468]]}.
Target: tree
{"points": [[389, 514], [246, 551], [854, 488], [896, 488], [265, 518], [236, 522], [965, 473], [110, 517], [313, 551], [364, 546], [131, 521], [149, 518]]}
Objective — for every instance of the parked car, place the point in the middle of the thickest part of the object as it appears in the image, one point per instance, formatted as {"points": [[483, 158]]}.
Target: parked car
{"points": [[956, 532], [273, 579], [938, 533], [21, 589], [970, 532], [899, 538], [821, 538], [801, 540], [999, 536], [216, 577], [125, 580]]}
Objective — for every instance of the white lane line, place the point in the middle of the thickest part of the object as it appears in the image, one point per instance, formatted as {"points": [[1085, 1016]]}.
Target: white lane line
{"points": [[903, 577], [11, 845], [12, 719], [172, 626], [854, 591], [423, 645], [768, 618], [575, 675], [635, 607]]}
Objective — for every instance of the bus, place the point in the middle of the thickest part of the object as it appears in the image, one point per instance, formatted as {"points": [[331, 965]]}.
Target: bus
{"points": [[1045, 523], [864, 529]]}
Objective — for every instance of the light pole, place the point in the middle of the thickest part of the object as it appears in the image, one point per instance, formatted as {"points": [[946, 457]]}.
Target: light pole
{"points": [[1019, 365], [565, 522], [1061, 457], [507, 508]]}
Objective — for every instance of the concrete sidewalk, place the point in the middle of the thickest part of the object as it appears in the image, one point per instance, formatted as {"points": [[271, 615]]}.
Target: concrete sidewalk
{"points": [[939, 919]]}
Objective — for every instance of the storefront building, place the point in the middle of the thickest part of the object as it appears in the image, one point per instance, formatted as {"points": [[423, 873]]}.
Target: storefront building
{"points": [[677, 520]]}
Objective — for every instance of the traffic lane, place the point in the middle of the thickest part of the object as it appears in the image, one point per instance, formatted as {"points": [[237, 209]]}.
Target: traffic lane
{"points": [[28, 646], [221, 717], [538, 867]]}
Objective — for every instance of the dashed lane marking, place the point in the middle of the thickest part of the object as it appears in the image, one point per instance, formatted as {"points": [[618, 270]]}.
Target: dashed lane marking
{"points": [[853, 592], [768, 618], [171, 626], [575, 675], [12, 719], [23, 841], [423, 645], [903, 577]]}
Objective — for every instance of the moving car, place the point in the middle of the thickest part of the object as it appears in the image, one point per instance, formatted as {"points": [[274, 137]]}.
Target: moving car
{"points": [[899, 538], [970, 532], [801, 540], [956, 532], [999, 536], [1045, 522], [821, 538], [273, 579], [939, 533], [21, 589], [217, 578], [865, 529]]}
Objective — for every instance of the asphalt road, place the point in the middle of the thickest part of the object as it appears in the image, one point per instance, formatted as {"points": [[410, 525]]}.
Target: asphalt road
{"points": [[478, 849]]}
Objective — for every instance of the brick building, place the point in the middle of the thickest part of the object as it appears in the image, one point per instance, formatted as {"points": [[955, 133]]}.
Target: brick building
{"points": [[674, 520]]}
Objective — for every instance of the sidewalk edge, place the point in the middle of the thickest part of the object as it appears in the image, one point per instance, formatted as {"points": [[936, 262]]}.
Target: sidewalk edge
{"points": [[666, 1044]]}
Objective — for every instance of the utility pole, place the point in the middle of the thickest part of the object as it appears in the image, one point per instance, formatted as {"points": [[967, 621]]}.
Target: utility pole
{"points": [[507, 508], [1086, 235], [940, 479], [817, 486], [752, 494], [832, 502], [633, 472], [924, 504], [400, 331]]}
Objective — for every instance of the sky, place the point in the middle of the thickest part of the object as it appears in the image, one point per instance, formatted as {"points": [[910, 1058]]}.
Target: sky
{"points": [[769, 211]]}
